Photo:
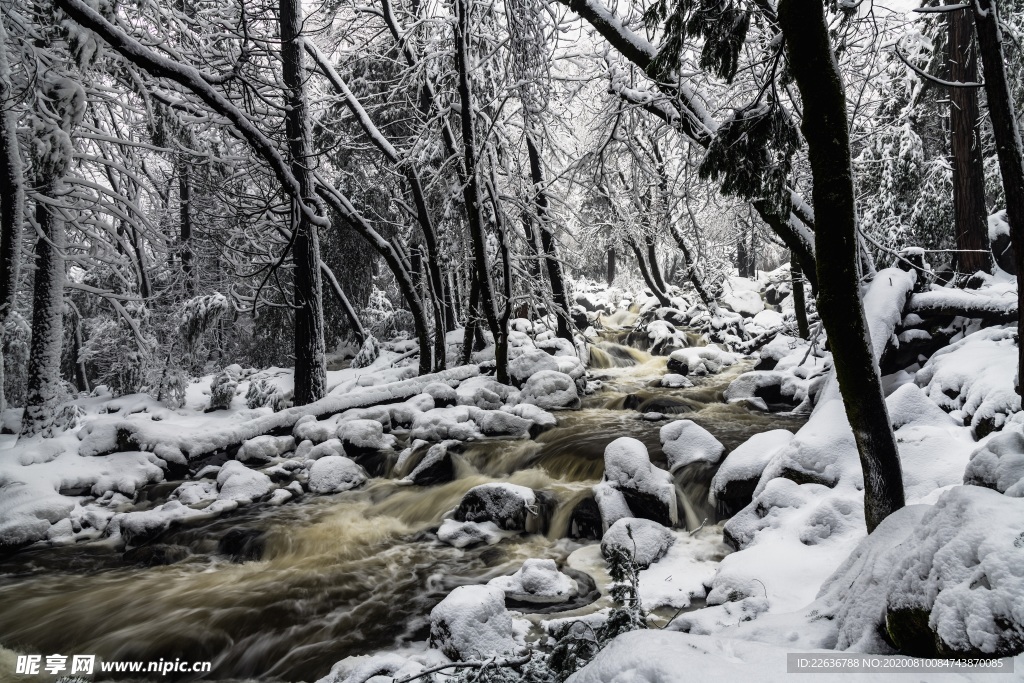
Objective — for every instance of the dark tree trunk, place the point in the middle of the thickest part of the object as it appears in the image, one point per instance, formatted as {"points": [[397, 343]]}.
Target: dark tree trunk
{"points": [[346, 305], [741, 254], [965, 142], [609, 273], [185, 225], [471, 185], [813, 66], [554, 266], [44, 378], [310, 361], [652, 259], [1008, 143], [799, 304], [472, 324], [646, 273], [12, 204]]}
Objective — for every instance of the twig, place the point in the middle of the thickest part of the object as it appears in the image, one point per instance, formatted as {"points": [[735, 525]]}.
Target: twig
{"points": [[519, 661]]}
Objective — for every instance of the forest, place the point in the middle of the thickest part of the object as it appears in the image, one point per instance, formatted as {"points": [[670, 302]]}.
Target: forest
{"points": [[512, 340]]}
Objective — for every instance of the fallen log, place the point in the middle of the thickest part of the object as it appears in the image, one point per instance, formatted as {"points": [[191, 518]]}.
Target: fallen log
{"points": [[993, 308]]}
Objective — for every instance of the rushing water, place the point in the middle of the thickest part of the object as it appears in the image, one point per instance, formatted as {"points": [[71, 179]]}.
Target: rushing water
{"points": [[355, 572]]}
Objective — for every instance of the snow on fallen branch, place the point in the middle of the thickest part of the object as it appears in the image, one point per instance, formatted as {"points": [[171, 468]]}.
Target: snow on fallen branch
{"points": [[176, 443], [965, 303]]}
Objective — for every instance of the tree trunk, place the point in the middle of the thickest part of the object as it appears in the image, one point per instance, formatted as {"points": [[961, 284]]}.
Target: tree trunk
{"points": [[813, 66], [547, 240], [185, 225], [44, 390], [12, 202], [1008, 143], [609, 273], [652, 259], [646, 273], [799, 304], [965, 141], [310, 361], [471, 185]]}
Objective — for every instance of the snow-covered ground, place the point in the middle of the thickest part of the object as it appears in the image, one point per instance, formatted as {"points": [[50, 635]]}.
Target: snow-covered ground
{"points": [[793, 570]]}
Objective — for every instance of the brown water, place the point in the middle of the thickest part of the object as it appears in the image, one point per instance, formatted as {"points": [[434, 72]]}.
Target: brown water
{"points": [[351, 573]]}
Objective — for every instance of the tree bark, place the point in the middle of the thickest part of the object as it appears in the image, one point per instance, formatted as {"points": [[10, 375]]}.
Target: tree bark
{"points": [[1008, 144], [310, 360], [547, 240], [12, 203], [662, 298], [609, 272], [799, 303], [471, 186], [652, 259], [44, 390], [965, 142], [825, 127]]}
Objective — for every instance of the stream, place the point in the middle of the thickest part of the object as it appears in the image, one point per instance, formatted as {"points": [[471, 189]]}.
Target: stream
{"points": [[354, 572]]}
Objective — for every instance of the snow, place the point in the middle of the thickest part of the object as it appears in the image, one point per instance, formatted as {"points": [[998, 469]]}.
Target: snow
{"points": [[462, 534], [674, 381], [686, 442], [265, 447], [628, 468], [685, 569], [969, 378], [999, 464], [384, 667], [472, 623], [334, 474], [551, 390], [962, 567], [748, 461], [530, 363], [537, 581], [237, 482], [705, 360], [365, 435], [643, 541]]}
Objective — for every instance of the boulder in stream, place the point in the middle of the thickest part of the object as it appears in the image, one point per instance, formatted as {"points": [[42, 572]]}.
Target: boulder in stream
{"points": [[537, 581], [686, 442], [334, 474], [551, 390], [510, 507], [648, 491], [472, 623], [641, 540]]}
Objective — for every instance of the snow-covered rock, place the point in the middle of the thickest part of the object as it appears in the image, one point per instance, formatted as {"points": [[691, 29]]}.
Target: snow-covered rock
{"points": [[436, 466], [442, 394], [529, 364], [737, 477], [648, 491], [385, 667], [322, 450], [463, 534], [472, 623], [509, 506], [265, 448], [969, 379], [674, 381], [700, 360], [551, 390], [958, 588], [537, 581], [685, 442], [745, 302], [641, 540], [363, 436], [308, 428], [334, 474], [237, 482], [999, 464]]}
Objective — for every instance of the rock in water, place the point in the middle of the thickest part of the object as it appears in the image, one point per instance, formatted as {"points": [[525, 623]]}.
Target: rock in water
{"points": [[642, 540], [537, 581], [472, 623], [334, 474]]}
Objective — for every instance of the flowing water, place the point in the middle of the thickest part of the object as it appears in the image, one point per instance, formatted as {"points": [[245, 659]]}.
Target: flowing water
{"points": [[356, 572]]}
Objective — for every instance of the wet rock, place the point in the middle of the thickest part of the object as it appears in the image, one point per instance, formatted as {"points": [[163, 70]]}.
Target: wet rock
{"points": [[436, 466], [508, 506], [155, 555], [585, 520], [648, 491], [243, 545]]}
